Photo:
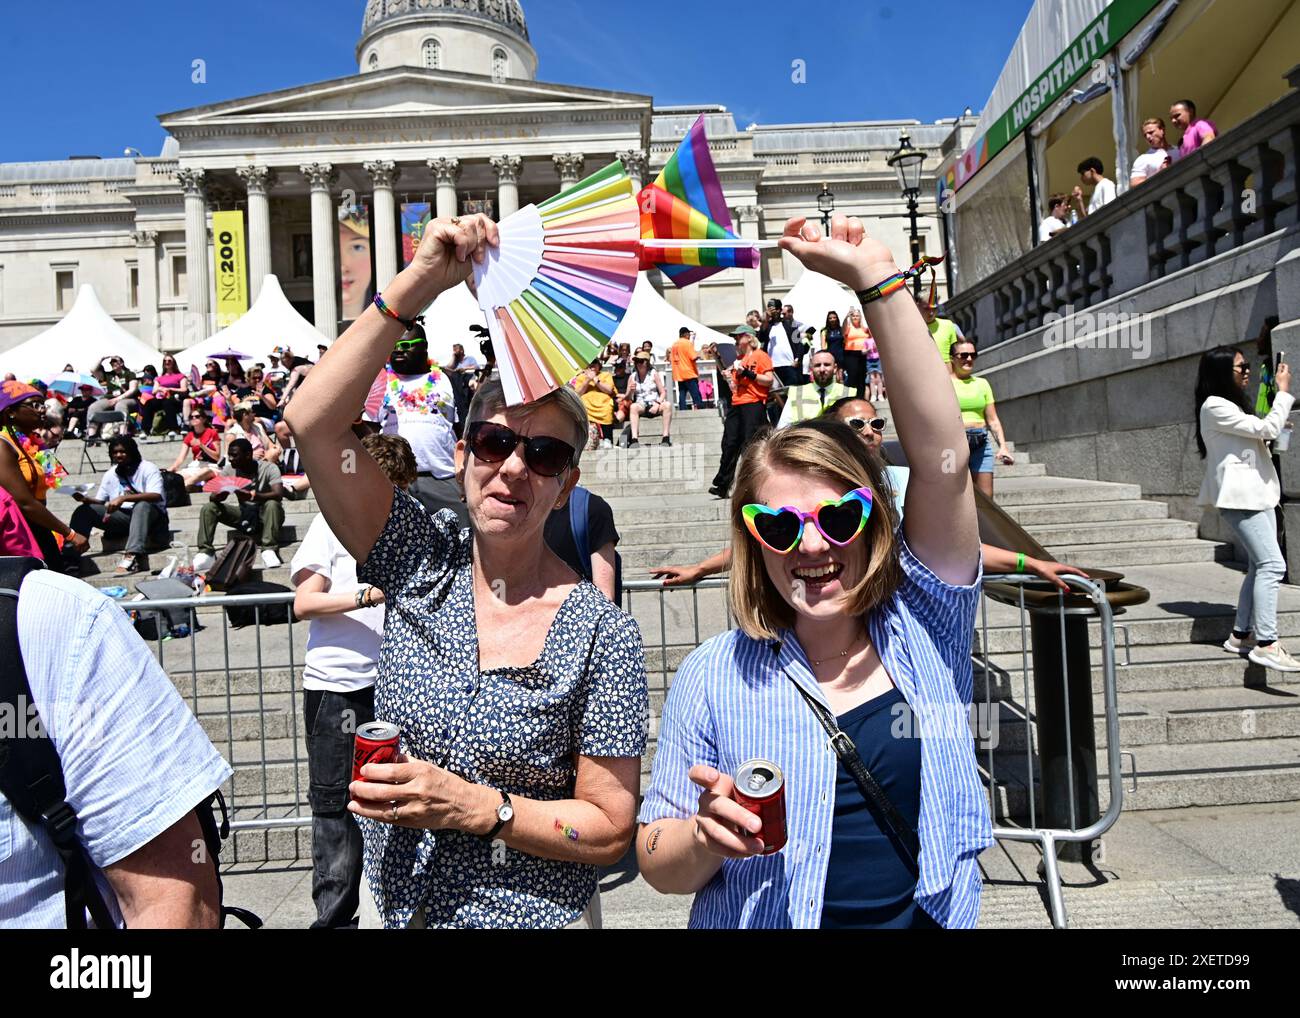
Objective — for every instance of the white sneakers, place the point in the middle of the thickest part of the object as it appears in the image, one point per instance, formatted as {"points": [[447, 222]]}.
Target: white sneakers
{"points": [[1274, 656], [1234, 646], [272, 561], [203, 562]]}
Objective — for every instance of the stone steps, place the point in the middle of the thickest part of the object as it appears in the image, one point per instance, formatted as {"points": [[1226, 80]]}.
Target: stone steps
{"points": [[1181, 775], [1034, 517], [1119, 554]]}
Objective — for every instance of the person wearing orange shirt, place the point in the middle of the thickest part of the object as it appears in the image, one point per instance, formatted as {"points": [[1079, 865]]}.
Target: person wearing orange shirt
{"points": [[750, 378], [856, 335], [682, 356]]}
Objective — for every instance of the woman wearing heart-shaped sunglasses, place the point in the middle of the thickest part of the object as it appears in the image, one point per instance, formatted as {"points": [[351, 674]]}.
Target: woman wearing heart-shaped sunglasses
{"points": [[845, 614]]}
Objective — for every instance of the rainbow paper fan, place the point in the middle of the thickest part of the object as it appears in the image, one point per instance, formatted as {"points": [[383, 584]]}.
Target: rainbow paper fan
{"points": [[559, 282]]}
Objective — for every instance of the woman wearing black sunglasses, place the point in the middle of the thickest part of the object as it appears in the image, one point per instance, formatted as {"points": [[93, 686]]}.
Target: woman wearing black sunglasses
{"points": [[519, 690], [848, 625], [979, 415]]}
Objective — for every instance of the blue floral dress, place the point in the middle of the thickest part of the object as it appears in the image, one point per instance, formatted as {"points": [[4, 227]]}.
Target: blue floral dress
{"points": [[515, 729]]}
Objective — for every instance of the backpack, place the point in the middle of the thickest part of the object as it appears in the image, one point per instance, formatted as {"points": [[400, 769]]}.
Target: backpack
{"points": [[234, 563], [241, 615], [579, 502], [175, 494], [31, 778]]}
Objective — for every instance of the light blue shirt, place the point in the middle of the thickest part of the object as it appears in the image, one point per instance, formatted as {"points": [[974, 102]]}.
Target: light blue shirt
{"points": [[134, 758], [732, 701]]}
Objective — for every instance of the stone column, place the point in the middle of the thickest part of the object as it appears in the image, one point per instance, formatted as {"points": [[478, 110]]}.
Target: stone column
{"points": [[637, 164], [197, 274], [382, 222], [749, 216], [446, 171], [146, 263], [324, 238], [569, 165], [257, 181], [508, 169]]}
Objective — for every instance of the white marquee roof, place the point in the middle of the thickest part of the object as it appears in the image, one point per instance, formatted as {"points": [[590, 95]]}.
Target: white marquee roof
{"points": [[84, 336], [651, 317], [814, 295], [272, 321]]}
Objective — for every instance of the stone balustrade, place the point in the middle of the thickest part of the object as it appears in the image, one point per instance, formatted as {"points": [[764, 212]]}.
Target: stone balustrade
{"points": [[1237, 189]]}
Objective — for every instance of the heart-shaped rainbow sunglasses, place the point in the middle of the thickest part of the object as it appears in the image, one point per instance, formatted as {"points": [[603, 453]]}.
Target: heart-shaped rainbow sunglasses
{"points": [[839, 520]]}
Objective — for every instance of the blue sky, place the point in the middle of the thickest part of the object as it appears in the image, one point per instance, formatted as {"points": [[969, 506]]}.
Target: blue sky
{"points": [[96, 74]]}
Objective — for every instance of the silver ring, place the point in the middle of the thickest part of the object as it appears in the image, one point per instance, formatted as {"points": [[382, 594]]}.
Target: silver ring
{"points": [[395, 808]]}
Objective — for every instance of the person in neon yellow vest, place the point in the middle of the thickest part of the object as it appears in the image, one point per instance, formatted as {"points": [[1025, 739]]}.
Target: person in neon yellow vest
{"points": [[944, 330], [813, 398]]}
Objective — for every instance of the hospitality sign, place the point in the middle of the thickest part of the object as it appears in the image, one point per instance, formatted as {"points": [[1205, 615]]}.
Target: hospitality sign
{"points": [[1101, 35]]}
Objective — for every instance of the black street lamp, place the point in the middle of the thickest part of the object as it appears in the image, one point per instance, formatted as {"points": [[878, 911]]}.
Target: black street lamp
{"points": [[826, 205], [906, 162]]}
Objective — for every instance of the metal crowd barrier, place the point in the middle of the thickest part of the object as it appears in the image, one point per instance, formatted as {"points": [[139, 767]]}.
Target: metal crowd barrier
{"points": [[245, 690]]}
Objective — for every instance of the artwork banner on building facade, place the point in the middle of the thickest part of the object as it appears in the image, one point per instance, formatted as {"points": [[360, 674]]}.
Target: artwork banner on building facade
{"points": [[356, 261], [415, 216]]}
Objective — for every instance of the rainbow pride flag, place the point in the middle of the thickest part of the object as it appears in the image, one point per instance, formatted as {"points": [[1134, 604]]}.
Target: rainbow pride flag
{"points": [[685, 203]]}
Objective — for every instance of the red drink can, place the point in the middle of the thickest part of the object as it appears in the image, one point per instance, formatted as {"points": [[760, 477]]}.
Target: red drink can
{"points": [[760, 788], [376, 743]]}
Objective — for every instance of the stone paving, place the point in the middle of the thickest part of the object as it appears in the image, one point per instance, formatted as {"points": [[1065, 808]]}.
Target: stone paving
{"points": [[1199, 868]]}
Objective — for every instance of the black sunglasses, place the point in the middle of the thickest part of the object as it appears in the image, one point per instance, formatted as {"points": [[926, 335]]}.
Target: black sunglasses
{"points": [[875, 423], [493, 443], [965, 356]]}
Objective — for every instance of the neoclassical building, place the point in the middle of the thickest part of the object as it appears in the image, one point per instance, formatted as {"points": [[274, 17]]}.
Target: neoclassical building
{"points": [[446, 108]]}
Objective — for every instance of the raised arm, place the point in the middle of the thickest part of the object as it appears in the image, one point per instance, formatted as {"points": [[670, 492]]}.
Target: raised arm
{"points": [[940, 523], [352, 491]]}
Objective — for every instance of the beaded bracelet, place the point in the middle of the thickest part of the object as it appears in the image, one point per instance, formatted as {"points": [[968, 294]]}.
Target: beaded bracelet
{"points": [[896, 282], [407, 323]]}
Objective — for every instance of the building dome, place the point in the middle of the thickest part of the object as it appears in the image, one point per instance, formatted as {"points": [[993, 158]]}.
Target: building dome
{"points": [[488, 37]]}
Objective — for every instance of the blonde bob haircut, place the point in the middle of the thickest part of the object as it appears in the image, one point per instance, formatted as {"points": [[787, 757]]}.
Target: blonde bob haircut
{"points": [[829, 451]]}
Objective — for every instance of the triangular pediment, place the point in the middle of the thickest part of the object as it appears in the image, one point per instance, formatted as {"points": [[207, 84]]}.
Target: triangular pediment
{"points": [[401, 91]]}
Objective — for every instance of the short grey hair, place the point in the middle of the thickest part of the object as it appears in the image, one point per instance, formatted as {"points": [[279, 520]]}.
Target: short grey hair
{"points": [[491, 399]]}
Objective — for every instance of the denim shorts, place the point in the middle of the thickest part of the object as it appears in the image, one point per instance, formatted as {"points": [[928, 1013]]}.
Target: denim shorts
{"points": [[873, 365], [981, 450]]}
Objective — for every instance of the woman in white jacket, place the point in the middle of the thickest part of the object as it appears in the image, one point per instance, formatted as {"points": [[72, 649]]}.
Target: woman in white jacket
{"points": [[1241, 483]]}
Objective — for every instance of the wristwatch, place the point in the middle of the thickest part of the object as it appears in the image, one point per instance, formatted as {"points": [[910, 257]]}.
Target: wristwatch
{"points": [[505, 813]]}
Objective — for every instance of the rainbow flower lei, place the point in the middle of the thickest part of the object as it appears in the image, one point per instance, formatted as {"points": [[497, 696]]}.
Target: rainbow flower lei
{"points": [[35, 450], [423, 399]]}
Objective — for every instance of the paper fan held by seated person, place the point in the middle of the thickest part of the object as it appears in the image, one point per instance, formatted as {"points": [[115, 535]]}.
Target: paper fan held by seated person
{"points": [[559, 282], [216, 485]]}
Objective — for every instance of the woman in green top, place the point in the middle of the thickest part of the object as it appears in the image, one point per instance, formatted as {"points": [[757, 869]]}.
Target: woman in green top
{"points": [[975, 398]]}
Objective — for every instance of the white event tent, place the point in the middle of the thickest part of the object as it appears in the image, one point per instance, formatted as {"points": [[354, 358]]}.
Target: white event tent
{"points": [[651, 317], [84, 336], [272, 321], [814, 295], [447, 321]]}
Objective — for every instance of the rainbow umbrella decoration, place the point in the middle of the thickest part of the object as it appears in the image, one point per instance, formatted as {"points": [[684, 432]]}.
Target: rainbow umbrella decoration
{"points": [[685, 224]]}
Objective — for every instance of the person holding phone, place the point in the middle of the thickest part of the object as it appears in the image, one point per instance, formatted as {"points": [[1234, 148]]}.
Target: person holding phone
{"points": [[1242, 484]]}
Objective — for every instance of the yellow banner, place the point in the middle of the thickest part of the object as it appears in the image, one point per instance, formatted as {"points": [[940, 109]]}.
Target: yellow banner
{"points": [[231, 266]]}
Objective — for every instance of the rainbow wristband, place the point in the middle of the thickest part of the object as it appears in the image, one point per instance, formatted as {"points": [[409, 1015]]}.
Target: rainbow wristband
{"points": [[407, 323], [899, 280]]}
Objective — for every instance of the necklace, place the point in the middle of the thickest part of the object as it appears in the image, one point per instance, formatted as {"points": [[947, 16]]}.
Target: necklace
{"points": [[818, 662]]}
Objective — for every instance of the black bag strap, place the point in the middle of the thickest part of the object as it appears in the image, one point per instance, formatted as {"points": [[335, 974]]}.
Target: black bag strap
{"points": [[31, 773], [896, 824]]}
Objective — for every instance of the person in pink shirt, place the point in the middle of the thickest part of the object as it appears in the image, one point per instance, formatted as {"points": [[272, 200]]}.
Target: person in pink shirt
{"points": [[1195, 132]]}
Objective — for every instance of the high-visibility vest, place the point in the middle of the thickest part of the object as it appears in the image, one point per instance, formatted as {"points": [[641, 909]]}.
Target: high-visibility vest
{"points": [[808, 401]]}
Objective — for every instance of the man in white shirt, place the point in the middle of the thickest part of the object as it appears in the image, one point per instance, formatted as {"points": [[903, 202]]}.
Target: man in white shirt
{"points": [[133, 504], [1053, 223], [420, 405], [1155, 158], [778, 336], [135, 762], [1092, 174], [347, 625]]}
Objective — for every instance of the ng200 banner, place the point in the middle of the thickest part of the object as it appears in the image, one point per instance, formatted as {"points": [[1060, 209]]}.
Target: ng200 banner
{"points": [[231, 266]]}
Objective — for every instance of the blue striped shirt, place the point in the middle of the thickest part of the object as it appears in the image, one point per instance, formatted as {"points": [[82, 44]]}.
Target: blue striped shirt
{"points": [[731, 701]]}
